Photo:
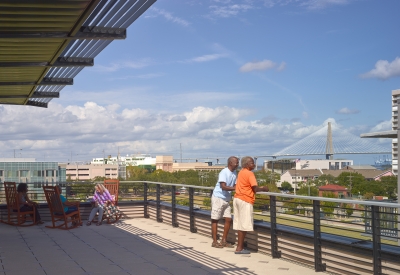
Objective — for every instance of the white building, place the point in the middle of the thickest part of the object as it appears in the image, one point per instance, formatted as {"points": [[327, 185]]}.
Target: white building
{"points": [[395, 97], [328, 164]]}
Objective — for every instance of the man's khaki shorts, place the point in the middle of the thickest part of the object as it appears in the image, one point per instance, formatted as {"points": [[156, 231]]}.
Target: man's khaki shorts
{"points": [[242, 215], [220, 208]]}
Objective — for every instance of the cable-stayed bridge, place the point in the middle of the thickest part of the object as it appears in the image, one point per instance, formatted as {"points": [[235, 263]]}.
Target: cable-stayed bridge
{"points": [[329, 140]]}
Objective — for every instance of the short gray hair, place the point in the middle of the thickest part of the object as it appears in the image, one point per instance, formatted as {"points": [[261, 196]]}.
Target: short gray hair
{"points": [[245, 161], [231, 158]]}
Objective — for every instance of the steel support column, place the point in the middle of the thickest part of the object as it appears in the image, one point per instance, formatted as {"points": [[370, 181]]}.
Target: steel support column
{"points": [[158, 200], [274, 234], [376, 239], [146, 203], [193, 228], [173, 204], [318, 265]]}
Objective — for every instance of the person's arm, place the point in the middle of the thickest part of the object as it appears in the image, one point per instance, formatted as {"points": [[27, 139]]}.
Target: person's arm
{"points": [[30, 203], [226, 188], [109, 198], [260, 188], [23, 197]]}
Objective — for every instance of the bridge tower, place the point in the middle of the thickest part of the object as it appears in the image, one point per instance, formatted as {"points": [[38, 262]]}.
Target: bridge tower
{"points": [[329, 145]]}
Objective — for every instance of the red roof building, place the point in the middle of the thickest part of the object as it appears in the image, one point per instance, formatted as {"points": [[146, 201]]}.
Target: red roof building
{"points": [[339, 191]]}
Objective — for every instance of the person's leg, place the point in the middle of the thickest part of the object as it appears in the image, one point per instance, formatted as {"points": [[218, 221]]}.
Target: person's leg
{"points": [[227, 226], [37, 215], [227, 214], [92, 214], [100, 217], [216, 214], [241, 236], [214, 230]]}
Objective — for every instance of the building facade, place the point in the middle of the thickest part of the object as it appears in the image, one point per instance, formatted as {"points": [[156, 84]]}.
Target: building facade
{"points": [[395, 123], [91, 171], [28, 170]]}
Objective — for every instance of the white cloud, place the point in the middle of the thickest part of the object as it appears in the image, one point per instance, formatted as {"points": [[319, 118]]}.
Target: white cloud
{"points": [[85, 131], [347, 111], [382, 126], [229, 10], [89, 129], [384, 69], [170, 17], [206, 58], [281, 67], [258, 66]]}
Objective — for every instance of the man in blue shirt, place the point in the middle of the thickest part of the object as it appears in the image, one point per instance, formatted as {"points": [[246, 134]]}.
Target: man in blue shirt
{"points": [[220, 201]]}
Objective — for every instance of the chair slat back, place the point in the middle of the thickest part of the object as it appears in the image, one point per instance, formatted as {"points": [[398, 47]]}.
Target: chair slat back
{"points": [[53, 199], [112, 185], [11, 195]]}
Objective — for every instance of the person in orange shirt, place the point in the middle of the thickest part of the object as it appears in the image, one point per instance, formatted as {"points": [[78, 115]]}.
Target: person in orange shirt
{"points": [[246, 189]]}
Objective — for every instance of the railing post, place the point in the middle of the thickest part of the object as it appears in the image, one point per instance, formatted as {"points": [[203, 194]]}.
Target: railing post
{"points": [[376, 239], [158, 200], [318, 265], [193, 228], [174, 212], [274, 234], [146, 203]]}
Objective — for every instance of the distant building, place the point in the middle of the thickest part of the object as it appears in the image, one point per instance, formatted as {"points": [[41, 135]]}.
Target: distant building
{"points": [[164, 163], [395, 122], [90, 171], [328, 164], [141, 160], [339, 191], [28, 170], [295, 177]]}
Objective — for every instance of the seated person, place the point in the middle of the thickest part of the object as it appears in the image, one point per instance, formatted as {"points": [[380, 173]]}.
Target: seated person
{"points": [[69, 206], [25, 204], [102, 199]]}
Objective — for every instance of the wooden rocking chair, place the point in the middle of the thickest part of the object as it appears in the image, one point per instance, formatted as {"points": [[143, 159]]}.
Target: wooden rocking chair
{"points": [[112, 185], [57, 210], [14, 215]]}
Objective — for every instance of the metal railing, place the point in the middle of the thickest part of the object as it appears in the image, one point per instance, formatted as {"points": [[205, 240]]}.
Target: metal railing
{"points": [[340, 236]]}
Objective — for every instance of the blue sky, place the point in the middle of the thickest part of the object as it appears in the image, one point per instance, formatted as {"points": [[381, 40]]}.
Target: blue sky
{"points": [[223, 77]]}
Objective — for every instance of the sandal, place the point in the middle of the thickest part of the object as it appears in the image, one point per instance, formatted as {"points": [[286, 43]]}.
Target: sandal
{"points": [[226, 244], [88, 223], [217, 245]]}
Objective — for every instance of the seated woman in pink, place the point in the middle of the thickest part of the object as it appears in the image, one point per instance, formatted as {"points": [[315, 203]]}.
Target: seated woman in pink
{"points": [[101, 198]]}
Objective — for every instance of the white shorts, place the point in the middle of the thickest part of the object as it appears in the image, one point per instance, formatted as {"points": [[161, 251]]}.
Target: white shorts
{"points": [[242, 215], [220, 208]]}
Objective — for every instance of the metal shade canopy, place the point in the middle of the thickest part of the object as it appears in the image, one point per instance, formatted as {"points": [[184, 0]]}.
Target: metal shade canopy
{"points": [[44, 44]]}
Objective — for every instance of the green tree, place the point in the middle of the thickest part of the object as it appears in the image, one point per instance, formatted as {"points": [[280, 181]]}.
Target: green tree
{"points": [[389, 184], [304, 191], [348, 209], [136, 173], [328, 207], [286, 186], [350, 180], [368, 196], [324, 180], [98, 178]]}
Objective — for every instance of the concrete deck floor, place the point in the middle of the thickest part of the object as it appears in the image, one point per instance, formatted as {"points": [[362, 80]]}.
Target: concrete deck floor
{"points": [[137, 246]]}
